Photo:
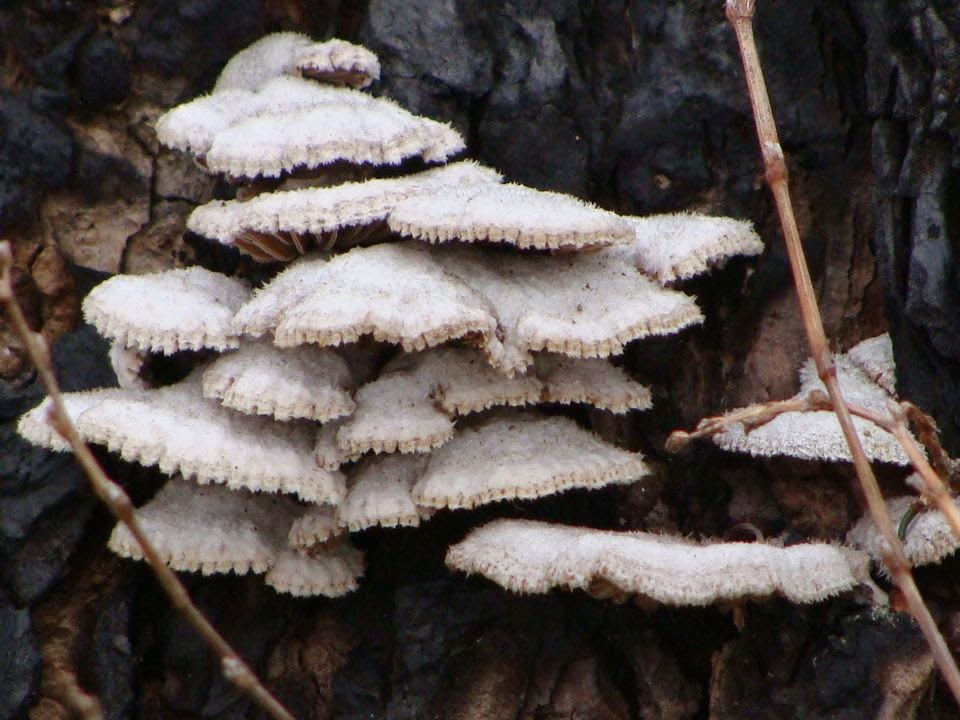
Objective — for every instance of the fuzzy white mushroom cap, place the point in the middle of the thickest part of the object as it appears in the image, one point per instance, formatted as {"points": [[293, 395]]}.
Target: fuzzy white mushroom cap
{"points": [[260, 379], [211, 529], [412, 405], [188, 309], [521, 456], [928, 539], [817, 435], [175, 428], [580, 305], [34, 428], [533, 557], [379, 493], [286, 53], [681, 245], [875, 357], [511, 214], [323, 210]]}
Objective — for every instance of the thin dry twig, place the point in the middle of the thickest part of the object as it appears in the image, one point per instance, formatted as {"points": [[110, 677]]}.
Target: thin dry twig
{"points": [[740, 15], [118, 502]]}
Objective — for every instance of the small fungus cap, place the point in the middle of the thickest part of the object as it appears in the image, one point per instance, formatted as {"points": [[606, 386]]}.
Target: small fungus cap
{"points": [[323, 210], [928, 539], [260, 379], [533, 557], [681, 245], [511, 214], [214, 530], [521, 456], [335, 61], [379, 493], [412, 405], [178, 430], [817, 435], [34, 428], [188, 309], [875, 357]]}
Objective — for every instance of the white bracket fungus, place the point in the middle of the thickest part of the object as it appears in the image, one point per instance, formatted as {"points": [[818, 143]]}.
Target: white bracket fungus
{"points": [[289, 124], [335, 61], [512, 214], [177, 430], [260, 379], [215, 530], [533, 557], [928, 539], [816, 435], [321, 216], [875, 357], [379, 492], [681, 245], [581, 305], [189, 309], [412, 405]]}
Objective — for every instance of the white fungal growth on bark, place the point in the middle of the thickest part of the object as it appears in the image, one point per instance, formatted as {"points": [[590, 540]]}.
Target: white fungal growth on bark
{"points": [[682, 245], [510, 214], [213, 530], [533, 557], [335, 61], [189, 309], [508, 311], [816, 435], [928, 539], [580, 305]]}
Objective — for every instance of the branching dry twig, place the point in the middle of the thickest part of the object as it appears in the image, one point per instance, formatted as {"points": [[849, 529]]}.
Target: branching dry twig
{"points": [[117, 501], [740, 15]]}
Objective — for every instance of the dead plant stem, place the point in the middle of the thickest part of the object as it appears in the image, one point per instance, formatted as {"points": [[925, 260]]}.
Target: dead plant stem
{"points": [[118, 502], [740, 15]]}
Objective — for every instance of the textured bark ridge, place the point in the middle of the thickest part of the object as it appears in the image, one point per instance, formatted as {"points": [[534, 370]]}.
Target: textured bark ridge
{"points": [[636, 106]]}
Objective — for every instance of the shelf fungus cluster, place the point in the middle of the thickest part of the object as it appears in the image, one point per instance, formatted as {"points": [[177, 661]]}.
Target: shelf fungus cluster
{"points": [[416, 354]]}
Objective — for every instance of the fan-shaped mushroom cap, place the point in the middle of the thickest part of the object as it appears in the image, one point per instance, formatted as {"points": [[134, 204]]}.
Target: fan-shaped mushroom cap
{"points": [[335, 61], [176, 429], [928, 539], [412, 405], [379, 493], [127, 364], [875, 357], [511, 214], [316, 526], [34, 428], [816, 435], [292, 123], [323, 211], [215, 530], [166, 312], [260, 379], [521, 456], [581, 305], [681, 245], [333, 572], [528, 556]]}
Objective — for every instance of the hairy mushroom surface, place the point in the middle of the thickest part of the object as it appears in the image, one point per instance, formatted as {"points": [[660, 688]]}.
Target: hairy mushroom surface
{"points": [[188, 309], [511, 214], [533, 557], [412, 405], [178, 430], [510, 304], [681, 245], [34, 428], [379, 493], [260, 379], [215, 530], [324, 216], [521, 456], [875, 357], [335, 61], [927, 541], [816, 435]]}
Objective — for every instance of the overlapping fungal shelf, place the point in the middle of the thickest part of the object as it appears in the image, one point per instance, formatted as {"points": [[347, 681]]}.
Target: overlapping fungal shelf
{"points": [[502, 305]]}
